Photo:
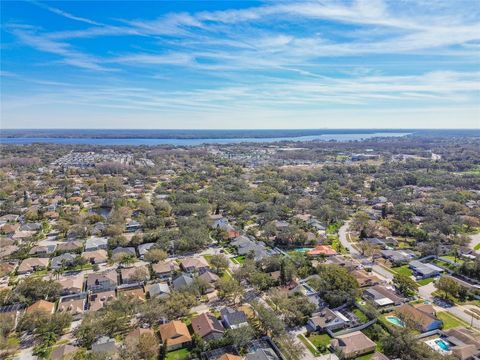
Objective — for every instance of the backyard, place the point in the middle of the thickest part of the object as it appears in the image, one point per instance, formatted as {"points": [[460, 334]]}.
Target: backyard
{"points": [[181, 354], [404, 270]]}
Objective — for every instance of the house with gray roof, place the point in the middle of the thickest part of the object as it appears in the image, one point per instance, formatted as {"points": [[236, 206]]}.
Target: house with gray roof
{"points": [[66, 259], [182, 282], [95, 243]]}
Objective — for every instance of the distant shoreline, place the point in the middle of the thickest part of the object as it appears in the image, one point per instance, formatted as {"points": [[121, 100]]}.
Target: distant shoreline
{"points": [[216, 134]]}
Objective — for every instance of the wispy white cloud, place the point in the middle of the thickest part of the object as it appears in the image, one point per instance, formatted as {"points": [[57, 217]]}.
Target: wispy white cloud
{"points": [[64, 13]]}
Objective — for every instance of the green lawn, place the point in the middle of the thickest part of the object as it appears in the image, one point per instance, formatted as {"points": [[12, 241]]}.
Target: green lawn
{"points": [[423, 282], [320, 340], [239, 259], [312, 349], [452, 258], [181, 354], [449, 321], [477, 247], [360, 315], [365, 357], [404, 270]]}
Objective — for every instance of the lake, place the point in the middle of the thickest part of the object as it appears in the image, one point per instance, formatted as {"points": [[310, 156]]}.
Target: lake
{"points": [[193, 142]]}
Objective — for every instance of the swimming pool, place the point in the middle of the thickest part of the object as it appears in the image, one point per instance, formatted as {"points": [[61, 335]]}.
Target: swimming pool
{"points": [[302, 250], [443, 344], [440, 345], [395, 321]]}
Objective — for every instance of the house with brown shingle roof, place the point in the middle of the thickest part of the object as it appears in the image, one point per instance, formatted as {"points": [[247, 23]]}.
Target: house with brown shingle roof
{"points": [[194, 264], [421, 320], [73, 305], [106, 280], [95, 256], [175, 335], [32, 264], [71, 284], [207, 326], [228, 356], [353, 345], [97, 301], [135, 274], [365, 279], [466, 342], [41, 306], [164, 270]]}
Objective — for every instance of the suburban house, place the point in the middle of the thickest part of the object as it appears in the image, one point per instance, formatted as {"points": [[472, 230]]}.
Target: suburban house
{"points": [[382, 296], [398, 257], [71, 284], [182, 282], [73, 305], [95, 256], [353, 345], [135, 274], [424, 270], [175, 335], [106, 280], [419, 317], [165, 270], [322, 250], [327, 319], [70, 246], [97, 301], [95, 243], [233, 319], [32, 264], [134, 291], [466, 342], [207, 326], [60, 261], [125, 251], [143, 249], [104, 347], [158, 290], [365, 279], [209, 278], [194, 264], [42, 250]]}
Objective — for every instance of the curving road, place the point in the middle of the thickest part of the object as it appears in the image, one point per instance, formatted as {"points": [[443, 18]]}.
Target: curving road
{"points": [[344, 236]]}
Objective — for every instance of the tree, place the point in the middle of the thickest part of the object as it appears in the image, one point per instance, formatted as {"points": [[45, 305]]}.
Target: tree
{"points": [[145, 347], [268, 321], [335, 285], [229, 289], [240, 337], [34, 288], [405, 284], [219, 262], [448, 285]]}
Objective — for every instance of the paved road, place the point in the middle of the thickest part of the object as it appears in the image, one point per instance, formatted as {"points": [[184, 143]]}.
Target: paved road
{"points": [[344, 236]]}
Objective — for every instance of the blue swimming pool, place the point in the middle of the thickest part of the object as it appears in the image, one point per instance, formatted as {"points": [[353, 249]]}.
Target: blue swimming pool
{"points": [[443, 344], [302, 250], [395, 321]]}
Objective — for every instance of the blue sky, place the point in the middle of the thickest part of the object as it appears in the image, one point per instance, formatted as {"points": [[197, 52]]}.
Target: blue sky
{"points": [[232, 64]]}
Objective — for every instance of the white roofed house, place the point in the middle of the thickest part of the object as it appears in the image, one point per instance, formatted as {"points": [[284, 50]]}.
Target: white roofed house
{"points": [[424, 270], [328, 319], [95, 243]]}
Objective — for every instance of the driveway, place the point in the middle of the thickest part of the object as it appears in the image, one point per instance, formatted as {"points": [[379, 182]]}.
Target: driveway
{"points": [[474, 241], [386, 275], [344, 236]]}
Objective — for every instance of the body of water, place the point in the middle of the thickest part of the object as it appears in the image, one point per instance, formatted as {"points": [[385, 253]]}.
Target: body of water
{"points": [[193, 142]]}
